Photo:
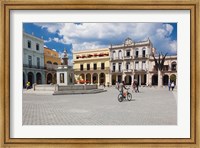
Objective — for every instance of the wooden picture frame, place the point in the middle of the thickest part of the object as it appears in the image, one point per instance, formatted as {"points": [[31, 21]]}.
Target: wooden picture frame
{"points": [[7, 5]]}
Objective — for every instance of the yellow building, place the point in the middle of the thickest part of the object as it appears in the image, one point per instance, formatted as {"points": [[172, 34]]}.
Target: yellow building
{"points": [[51, 61], [92, 66]]}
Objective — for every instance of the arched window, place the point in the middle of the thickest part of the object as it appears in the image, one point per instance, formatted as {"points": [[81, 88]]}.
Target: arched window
{"points": [[128, 66], [173, 66], [49, 62], [144, 52], [136, 52], [113, 55], [120, 54], [55, 63]]}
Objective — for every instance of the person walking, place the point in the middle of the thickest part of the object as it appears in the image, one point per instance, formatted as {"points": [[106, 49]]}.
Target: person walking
{"points": [[172, 86], [169, 85], [117, 85], [133, 86], [28, 85], [137, 86]]}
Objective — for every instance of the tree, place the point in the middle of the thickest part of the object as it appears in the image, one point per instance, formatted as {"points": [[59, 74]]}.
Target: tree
{"points": [[159, 63]]}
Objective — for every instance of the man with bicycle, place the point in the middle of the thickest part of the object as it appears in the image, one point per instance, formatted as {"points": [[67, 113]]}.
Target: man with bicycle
{"points": [[122, 87]]}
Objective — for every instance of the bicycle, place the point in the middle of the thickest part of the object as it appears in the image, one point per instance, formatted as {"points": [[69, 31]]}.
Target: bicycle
{"points": [[127, 96]]}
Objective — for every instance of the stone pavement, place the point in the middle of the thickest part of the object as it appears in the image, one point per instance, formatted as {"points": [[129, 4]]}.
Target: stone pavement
{"points": [[152, 106]]}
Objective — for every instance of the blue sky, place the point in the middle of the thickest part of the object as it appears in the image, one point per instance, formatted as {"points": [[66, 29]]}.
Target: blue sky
{"points": [[80, 36]]}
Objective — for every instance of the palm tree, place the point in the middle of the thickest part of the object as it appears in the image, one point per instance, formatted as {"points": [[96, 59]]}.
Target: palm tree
{"points": [[159, 63]]}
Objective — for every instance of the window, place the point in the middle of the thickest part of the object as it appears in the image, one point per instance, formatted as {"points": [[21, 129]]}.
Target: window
{"points": [[49, 62], [113, 67], [88, 66], [127, 66], [136, 65], [120, 67], [173, 66], [55, 63], [30, 61], [143, 53], [29, 44], [102, 66], [136, 54], [62, 78], [113, 54], [37, 46], [81, 67], [95, 66], [38, 62], [128, 53], [143, 65], [120, 54]]}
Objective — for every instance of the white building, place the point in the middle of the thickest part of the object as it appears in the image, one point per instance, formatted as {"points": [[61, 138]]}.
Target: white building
{"points": [[133, 61], [130, 61], [33, 60]]}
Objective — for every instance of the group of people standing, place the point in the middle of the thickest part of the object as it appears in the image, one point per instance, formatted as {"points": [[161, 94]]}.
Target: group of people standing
{"points": [[171, 85]]}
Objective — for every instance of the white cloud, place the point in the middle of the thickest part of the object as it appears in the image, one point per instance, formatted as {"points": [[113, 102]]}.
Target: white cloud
{"points": [[99, 35], [47, 41]]}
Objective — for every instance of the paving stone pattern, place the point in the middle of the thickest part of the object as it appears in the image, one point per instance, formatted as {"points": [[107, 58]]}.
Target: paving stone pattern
{"points": [[152, 106]]}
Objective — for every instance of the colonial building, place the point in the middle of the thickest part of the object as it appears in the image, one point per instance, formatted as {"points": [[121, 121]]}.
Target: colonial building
{"points": [[169, 72], [92, 66], [51, 60], [33, 60], [130, 60]]}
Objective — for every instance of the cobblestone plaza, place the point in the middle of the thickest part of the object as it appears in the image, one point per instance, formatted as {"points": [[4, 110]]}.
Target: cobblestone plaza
{"points": [[152, 106]]}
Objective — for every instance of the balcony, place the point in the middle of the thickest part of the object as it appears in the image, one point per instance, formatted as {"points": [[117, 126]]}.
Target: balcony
{"points": [[116, 71], [33, 66], [127, 57], [141, 56], [51, 66], [116, 58], [92, 69], [128, 70], [140, 70]]}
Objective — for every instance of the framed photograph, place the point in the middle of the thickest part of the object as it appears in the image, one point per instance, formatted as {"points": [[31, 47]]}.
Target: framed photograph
{"points": [[100, 73]]}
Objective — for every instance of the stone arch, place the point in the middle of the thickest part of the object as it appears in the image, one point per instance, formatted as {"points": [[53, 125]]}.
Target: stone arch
{"points": [[95, 78], [88, 78], [49, 78], [31, 78], [165, 79], [39, 78], [155, 79], [128, 80], [102, 78], [173, 78]]}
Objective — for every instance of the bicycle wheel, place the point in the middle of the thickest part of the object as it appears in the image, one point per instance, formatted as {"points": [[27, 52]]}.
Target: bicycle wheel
{"points": [[120, 98], [129, 96]]}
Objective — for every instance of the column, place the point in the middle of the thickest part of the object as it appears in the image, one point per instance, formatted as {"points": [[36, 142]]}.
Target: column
{"points": [[98, 79], [132, 78], [91, 78], [85, 78], [140, 79], [147, 79], [117, 78]]}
